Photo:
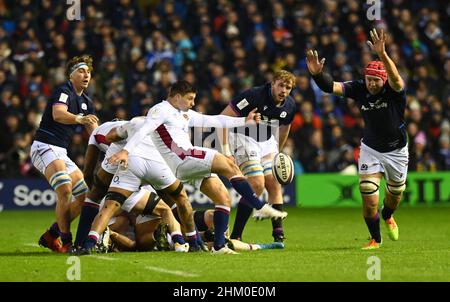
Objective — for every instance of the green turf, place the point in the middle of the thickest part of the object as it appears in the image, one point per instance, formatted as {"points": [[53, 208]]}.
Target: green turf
{"points": [[322, 245]]}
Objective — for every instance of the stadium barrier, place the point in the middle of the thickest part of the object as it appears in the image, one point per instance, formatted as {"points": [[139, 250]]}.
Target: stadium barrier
{"points": [[307, 190], [335, 190], [32, 193]]}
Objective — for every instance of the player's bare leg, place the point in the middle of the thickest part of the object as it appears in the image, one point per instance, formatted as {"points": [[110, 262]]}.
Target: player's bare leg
{"points": [[61, 182], [273, 188], [394, 193], [214, 188], [369, 188], [175, 193], [227, 168]]}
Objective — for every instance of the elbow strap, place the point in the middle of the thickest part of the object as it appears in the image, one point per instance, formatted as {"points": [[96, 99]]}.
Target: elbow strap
{"points": [[324, 81]]}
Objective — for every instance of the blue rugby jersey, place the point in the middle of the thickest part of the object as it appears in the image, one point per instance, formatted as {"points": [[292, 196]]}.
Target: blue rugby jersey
{"points": [[383, 115], [271, 114], [54, 133]]}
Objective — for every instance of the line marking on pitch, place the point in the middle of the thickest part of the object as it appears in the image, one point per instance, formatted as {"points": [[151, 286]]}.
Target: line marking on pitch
{"points": [[177, 273], [103, 258], [31, 244]]}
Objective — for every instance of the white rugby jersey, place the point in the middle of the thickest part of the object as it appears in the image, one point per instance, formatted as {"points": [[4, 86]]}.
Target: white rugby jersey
{"points": [[169, 129], [98, 136], [146, 149]]}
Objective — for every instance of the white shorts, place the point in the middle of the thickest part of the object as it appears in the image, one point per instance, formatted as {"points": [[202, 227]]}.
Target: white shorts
{"points": [[134, 198], [193, 168], [393, 164], [110, 168], [248, 149], [43, 154], [143, 171]]}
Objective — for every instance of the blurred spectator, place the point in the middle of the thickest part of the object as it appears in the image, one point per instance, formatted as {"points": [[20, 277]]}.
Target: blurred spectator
{"points": [[224, 47]]}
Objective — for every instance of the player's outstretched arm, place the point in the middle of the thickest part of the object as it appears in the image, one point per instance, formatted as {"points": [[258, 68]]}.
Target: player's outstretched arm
{"points": [[61, 115], [378, 45], [322, 79]]}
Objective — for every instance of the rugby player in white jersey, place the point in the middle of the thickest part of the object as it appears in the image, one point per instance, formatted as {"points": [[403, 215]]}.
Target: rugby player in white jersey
{"points": [[168, 125]]}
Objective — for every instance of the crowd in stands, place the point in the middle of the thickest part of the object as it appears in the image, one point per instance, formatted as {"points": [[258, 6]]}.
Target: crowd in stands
{"points": [[223, 47]]}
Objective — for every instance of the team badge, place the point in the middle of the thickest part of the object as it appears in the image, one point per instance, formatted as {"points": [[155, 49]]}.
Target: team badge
{"points": [[84, 106], [154, 114], [242, 104], [283, 114]]}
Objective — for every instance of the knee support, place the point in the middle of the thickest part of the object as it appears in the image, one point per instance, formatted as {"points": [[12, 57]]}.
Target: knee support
{"points": [[79, 188], [199, 219], [369, 186], [59, 179], [177, 191], [116, 196], [395, 188], [267, 167], [251, 168], [152, 201]]}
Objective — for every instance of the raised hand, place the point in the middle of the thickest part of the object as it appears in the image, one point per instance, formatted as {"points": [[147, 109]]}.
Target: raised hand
{"points": [[378, 42], [312, 60]]}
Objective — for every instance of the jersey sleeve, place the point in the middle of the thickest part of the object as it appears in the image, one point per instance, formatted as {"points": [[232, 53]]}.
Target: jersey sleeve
{"points": [[155, 117], [92, 140], [216, 121], [351, 89], [60, 97], [243, 103]]}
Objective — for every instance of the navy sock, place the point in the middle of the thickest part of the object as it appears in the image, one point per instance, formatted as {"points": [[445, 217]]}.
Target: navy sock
{"points": [[243, 213], [192, 239], [277, 224], [66, 238], [386, 212], [87, 216], [373, 223], [221, 217], [241, 185], [54, 230], [178, 238], [91, 240]]}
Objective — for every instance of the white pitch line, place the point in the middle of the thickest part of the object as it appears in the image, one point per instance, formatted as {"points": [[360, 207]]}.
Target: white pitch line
{"points": [[32, 244], [104, 258], [177, 273]]}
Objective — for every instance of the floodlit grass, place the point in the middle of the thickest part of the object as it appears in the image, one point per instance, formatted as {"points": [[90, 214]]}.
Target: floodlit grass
{"points": [[322, 245]]}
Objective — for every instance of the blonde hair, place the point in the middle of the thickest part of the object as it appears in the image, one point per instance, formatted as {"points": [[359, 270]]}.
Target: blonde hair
{"points": [[284, 76]]}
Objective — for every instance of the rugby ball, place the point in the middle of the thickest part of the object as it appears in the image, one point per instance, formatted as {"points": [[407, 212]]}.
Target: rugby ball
{"points": [[283, 168]]}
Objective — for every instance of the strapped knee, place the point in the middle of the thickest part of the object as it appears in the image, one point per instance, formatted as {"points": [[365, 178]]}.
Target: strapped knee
{"points": [[199, 219], [152, 201], [369, 186], [116, 196], [59, 179], [79, 188], [251, 168], [177, 191], [267, 167], [395, 188]]}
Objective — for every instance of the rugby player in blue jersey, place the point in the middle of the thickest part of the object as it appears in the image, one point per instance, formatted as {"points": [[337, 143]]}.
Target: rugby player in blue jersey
{"points": [[255, 147], [68, 108], [384, 152]]}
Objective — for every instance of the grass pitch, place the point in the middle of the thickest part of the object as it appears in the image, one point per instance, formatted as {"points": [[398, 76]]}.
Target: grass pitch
{"points": [[322, 245]]}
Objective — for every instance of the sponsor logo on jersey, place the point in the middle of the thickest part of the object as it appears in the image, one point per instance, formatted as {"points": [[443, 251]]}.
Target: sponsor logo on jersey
{"points": [[283, 114], [380, 103], [63, 98], [242, 104], [185, 116], [364, 167]]}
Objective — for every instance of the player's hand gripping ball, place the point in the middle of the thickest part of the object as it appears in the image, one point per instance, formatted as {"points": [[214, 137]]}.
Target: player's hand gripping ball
{"points": [[283, 168]]}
